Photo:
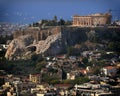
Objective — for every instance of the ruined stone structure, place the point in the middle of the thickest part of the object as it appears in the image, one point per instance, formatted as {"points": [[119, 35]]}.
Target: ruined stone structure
{"points": [[92, 20], [23, 46], [37, 33]]}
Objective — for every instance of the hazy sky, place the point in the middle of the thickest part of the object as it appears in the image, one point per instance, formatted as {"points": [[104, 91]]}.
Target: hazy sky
{"points": [[28, 11]]}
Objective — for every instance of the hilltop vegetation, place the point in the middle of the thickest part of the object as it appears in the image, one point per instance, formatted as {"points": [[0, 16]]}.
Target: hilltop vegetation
{"points": [[74, 41], [53, 22]]}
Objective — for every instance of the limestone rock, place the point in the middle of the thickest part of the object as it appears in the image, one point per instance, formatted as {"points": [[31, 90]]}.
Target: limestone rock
{"points": [[17, 46], [51, 46], [24, 46]]}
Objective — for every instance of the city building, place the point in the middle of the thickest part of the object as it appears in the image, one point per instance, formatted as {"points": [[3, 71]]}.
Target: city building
{"points": [[70, 76], [88, 89], [109, 71], [97, 19], [35, 78]]}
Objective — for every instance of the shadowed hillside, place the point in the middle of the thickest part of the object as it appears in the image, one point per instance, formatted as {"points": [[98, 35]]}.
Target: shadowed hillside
{"points": [[58, 41]]}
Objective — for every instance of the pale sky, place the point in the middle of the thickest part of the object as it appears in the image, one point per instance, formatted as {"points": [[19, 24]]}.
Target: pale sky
{"points": [[28, 11]]}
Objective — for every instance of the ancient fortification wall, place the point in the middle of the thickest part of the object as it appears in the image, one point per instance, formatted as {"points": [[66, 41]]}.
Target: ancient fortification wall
{"points": [[37, 33]]}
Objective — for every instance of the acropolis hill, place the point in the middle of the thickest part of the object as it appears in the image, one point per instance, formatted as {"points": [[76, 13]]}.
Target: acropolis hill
{"points": [[53, 40], [39, 33]]}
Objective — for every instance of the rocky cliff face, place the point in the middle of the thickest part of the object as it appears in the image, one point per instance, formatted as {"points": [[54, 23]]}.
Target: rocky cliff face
{"points": [[51, 46], [86, 38], [24, 46], [17, 47]]}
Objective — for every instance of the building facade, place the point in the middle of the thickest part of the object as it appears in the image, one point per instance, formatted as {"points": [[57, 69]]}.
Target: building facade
{"points": [[109, 70], [97, 19], [35, 78]]}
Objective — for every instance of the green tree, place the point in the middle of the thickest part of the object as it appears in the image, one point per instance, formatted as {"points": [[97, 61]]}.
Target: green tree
{"points": [[34, 57], [61, 22], [55, 81], [85, 60], [96, 70], [40, 65], [36, 24], [70, 50], [55, 18], [68, 81], [50, 79], [114, 46], [68, 22], [81, 80]]}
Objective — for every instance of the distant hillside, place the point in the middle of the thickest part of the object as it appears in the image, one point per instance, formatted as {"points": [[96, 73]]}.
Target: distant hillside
{"points": [[79, 39]]}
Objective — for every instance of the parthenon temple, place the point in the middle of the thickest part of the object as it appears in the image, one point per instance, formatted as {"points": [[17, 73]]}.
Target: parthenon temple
{"points": [[92, 20]]}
